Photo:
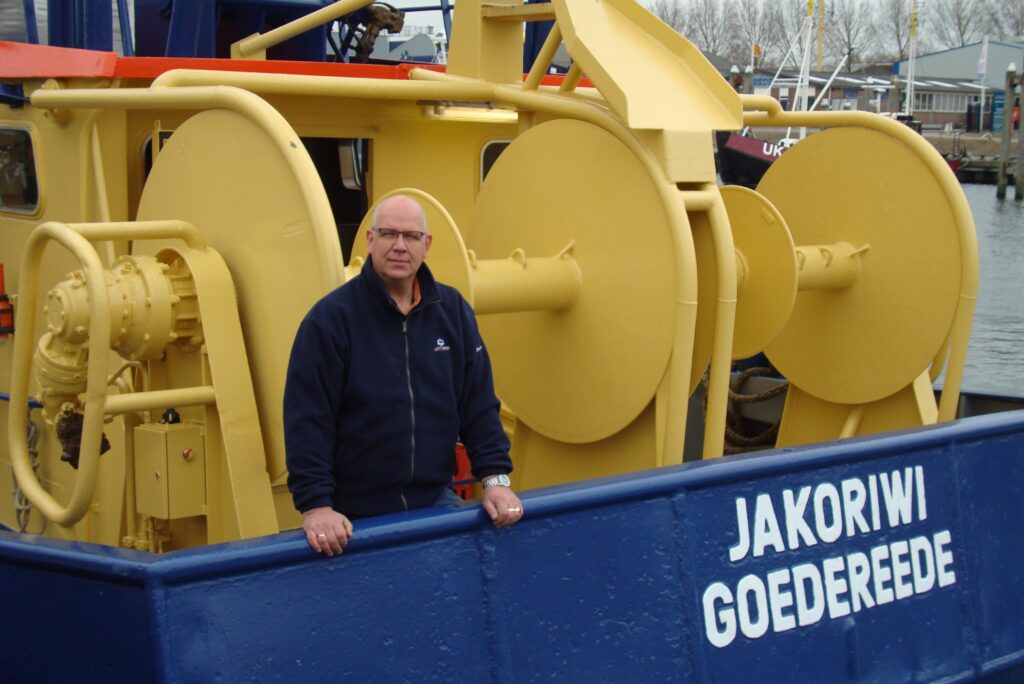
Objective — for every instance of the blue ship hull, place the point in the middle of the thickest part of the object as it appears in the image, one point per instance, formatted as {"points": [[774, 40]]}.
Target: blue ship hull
{"points": [[634, 578]]}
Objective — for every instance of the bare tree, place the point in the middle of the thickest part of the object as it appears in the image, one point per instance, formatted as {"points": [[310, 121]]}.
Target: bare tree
{"points": [[755, 22], [851, 31], [893, 21], [1008, 18], [672, 12], [956, 23], [709, 23]]}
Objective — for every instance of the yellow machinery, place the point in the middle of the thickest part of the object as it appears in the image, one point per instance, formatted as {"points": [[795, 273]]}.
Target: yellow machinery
{"points": [[607, 268]]}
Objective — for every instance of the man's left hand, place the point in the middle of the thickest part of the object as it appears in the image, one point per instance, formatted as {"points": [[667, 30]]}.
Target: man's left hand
{"points": [[502, 505]]}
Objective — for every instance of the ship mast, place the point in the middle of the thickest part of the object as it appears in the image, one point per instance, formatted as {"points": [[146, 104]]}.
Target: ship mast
{"points": [[804, 79], [908, 108]]}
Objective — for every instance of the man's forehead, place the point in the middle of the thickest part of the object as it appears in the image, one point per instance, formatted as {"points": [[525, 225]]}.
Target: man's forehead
{"points": [[402, 209]]}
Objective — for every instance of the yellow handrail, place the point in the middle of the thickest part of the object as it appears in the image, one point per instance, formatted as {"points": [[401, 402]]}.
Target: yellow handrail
{"points": [[76, 239], [96, 375]]}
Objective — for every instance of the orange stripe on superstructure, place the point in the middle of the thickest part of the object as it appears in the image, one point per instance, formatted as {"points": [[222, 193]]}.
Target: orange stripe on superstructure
{"points": [[23, 60]]}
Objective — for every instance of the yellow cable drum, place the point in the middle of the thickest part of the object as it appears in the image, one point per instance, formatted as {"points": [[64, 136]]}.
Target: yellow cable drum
{"points": [[853, 193], [583, 373], [256, 197]]}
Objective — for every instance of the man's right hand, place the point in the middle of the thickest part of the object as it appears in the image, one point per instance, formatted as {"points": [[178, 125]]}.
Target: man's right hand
{"points": [[327, 530]]}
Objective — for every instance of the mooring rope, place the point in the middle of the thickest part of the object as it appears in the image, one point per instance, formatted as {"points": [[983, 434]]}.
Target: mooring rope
{"points": [[736, 440]]}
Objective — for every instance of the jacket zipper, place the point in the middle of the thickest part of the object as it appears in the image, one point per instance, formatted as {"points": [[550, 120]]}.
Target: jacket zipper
{"points": [[412, 408]]}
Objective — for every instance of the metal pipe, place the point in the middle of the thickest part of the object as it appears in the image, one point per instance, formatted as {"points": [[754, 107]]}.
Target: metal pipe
{"points": [[100, 178], [130, 422], [763, 103], [258, 43], [142, 230], [544, 58], [155, 399], [1004, 146], [102, 203], [124, 20], [32, 403], [31, 26], [725, 326], [827, 267], [852, 422], [520, 284], [572, 78], [327, 86], [699, 200]]}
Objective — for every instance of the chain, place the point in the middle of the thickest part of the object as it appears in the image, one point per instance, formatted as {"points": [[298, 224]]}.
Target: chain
{"points": [[22, 506]]}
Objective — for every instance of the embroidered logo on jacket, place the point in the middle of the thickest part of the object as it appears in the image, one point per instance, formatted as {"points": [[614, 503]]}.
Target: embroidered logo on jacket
{"points": [[441, 346]]}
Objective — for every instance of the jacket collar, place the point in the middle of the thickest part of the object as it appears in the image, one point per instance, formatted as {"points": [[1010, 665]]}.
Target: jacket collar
{"points": [[429, 292]]}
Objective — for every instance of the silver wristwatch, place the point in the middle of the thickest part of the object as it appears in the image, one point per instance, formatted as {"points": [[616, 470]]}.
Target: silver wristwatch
{"points": [[496, 481]]}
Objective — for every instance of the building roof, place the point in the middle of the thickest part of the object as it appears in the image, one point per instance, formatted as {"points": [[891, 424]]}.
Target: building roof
{"points": [[961, 64]]}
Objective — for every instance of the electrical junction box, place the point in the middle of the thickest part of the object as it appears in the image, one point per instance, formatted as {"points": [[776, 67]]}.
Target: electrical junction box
{"points": [[170, 470]]}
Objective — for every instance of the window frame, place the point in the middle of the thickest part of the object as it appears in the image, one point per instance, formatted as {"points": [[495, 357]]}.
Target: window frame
{"points": [[33, 135]]}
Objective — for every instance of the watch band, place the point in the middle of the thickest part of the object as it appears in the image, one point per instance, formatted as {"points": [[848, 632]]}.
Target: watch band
{"points": [[496, 481]]}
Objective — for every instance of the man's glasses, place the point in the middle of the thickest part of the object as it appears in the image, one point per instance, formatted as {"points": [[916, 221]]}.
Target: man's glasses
{"points": [[412, 237]]}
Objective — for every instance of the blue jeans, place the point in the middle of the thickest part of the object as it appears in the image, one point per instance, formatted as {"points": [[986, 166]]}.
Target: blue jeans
{"points": [[448, 497]]}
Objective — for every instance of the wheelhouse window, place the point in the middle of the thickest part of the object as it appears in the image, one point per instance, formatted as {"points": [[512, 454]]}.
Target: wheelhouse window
{"points": [[19, 190]]}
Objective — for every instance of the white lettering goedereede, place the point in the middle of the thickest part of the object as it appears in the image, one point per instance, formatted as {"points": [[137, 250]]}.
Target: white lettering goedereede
{"points": [[838, 586], [749, 591], [835, 587]]}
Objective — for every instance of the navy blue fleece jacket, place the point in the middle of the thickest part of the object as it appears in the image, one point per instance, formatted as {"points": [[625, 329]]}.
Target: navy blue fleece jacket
{"points": [[375, 401]]}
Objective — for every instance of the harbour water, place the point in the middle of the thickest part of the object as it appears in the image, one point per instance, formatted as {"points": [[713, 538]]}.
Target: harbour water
{"points": [[995, 359]]}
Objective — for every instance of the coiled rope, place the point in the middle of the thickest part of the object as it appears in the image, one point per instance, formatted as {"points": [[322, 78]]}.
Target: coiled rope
{"points": [[736, 439]]}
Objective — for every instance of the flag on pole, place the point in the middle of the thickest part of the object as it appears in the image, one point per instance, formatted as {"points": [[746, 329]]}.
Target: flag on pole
{"points": [[983, 59]]}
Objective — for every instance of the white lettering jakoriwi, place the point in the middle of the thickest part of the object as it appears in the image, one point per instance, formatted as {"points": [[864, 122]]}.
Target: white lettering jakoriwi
{"points": [[806, 593], [836, 512]]}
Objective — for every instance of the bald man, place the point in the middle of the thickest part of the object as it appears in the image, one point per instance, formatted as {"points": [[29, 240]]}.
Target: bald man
{"points": [[386, 374]]}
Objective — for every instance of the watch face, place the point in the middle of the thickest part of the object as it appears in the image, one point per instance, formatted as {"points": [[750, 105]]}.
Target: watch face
{"points": [[497, 481]]}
